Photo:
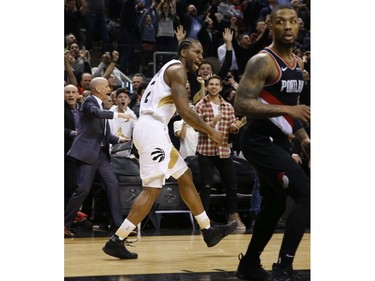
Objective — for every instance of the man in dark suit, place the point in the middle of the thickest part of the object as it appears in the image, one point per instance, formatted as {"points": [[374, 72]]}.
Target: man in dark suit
{"points": [[91, 151], [71, 122]]}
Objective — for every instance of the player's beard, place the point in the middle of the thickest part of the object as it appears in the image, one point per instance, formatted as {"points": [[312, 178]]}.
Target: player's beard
{"points": [[288, 44]]}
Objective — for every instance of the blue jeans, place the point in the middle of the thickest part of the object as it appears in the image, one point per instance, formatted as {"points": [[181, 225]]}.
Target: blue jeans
{"points": [[256, 198]]}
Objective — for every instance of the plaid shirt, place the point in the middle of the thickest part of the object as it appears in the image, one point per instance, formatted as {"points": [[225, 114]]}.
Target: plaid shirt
{"points": [[206, 146]]}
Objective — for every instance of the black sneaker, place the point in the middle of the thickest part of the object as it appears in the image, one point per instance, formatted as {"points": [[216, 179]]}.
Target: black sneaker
{"points": [[250, 272], [215, 233], [284, 274], [116, 248]]}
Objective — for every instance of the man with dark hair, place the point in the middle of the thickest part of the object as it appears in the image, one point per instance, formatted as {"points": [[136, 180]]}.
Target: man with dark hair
{"points": [[158, 158], [268, 96]]}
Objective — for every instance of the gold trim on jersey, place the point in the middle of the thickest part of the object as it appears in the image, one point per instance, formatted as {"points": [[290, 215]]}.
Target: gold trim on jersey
{"points": [[174, 157], [165, 100]]}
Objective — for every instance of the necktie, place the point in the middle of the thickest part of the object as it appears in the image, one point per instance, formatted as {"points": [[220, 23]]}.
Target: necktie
{"points": [[104, 130], [76, 118]]}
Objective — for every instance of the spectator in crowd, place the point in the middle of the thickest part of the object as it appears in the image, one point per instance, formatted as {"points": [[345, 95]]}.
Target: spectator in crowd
{"points": [[227, 11], [229, 90], [71, 124], [81, 58], [275, 116], [158, 158], [73, 20], [69, 39], [69, 75], [210, 37], [221, 52], [256, 199], [243, 48], [283, 2], [219, 114], [298, 155], [187, 135], [251, 15], [96, 21], [302, 33], [303, 11], [78, 61], [147, 30], [137, 79], [86, 93], [206, 68], [138, 96], [202, 91], [129, 37], [90, 149], [84, 83], [107, 101], [112, 82], [113, 97], [107, 66], [260, 27], [267, 10], [122, 127], [305, 95], [166, 22], [190, 19]]}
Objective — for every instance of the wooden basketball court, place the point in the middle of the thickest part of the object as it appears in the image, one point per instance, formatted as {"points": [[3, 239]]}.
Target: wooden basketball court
{"points": [[170, 257]]}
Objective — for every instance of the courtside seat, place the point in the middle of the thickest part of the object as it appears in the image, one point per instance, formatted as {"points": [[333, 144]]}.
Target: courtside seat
{"points": [[169, 201]]}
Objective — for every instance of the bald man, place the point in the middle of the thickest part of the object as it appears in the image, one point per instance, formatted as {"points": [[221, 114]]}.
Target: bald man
{"points": [[71, 123], [90, 149]]}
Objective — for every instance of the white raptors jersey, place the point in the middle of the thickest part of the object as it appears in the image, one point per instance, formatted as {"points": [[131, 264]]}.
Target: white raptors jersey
{"points": [[157, 98]]}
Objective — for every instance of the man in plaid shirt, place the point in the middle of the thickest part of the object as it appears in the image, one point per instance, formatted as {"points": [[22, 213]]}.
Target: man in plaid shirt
{"points": [[218, 113]]}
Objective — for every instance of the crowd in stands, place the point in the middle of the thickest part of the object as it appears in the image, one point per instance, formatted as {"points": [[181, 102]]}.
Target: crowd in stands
{"points": [[129, 32]]}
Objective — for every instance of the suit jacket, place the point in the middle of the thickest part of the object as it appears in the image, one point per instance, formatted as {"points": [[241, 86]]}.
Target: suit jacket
{"points": [[69, 126], [86, 145]]}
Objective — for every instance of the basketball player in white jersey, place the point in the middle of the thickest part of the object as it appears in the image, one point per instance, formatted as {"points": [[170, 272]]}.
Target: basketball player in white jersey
{"points": [[158, 158]]}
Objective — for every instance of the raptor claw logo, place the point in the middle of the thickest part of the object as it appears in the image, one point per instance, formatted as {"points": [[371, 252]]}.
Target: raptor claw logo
{"points": [[158, 155]]}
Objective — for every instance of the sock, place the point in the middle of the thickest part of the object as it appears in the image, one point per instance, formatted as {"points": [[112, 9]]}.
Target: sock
{"points": [[125, 229], [203, 220], [285, 260]]}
